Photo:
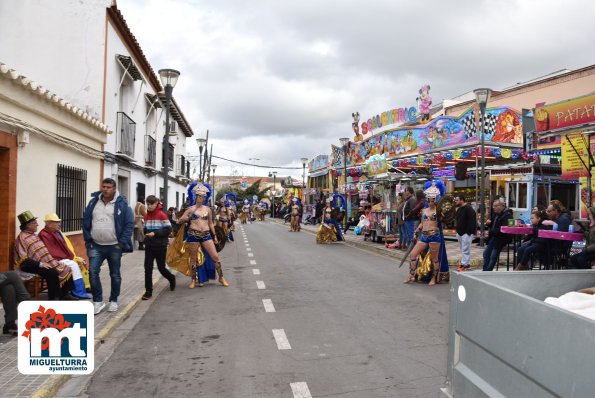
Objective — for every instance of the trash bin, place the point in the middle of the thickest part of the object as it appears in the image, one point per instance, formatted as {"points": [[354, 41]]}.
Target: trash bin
{"points": [[504, 341]]}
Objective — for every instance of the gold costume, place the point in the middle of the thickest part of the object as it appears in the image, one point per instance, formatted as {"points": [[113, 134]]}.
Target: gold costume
{"points": [[326, 234], [178, 256]]}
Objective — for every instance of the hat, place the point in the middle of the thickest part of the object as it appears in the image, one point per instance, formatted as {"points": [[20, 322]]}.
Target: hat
{"points": [[26, 217], [51, 217]]}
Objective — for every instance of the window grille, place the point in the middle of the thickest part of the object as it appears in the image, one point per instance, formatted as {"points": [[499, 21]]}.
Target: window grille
{"points": [[71, 195]]}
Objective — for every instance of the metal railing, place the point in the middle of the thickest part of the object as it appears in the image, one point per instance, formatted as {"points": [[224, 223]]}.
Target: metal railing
{"points": [[181, 165], [150, 151], [126, 135], [170, 162], [71, 194], [187, 169]]}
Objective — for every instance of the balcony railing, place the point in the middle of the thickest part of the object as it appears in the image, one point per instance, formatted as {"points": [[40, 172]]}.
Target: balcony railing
{"points": [[126, 135], [187, 169], [150, 151], [170, 162], [181, 165]]}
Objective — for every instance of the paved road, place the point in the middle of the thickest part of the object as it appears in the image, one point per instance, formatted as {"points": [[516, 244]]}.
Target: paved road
{"points": [[344, 325]]}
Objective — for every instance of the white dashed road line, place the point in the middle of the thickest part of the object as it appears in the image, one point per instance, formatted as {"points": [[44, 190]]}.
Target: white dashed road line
{"points": [[252, 262], [256, 271], [260, 285], [268, 305], [281, 339], [300, 390], [250, 254], [248, 249]]}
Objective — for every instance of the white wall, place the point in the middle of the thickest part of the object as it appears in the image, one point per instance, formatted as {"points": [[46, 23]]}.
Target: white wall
{"points": [[59, 44]]}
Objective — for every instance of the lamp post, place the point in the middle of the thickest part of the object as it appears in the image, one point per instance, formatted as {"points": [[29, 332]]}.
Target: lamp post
{"points": [[304, 161], [344, 142], [254, 172], [274, 191], [201, 144], [482, 96], [214, 167], [169, 78]]}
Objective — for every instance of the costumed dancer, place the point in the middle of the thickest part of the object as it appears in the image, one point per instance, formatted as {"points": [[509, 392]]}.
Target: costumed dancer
{"points": [[430, 236], [295, 215], [233, 213], [222, 216], [245, 215], [201, 230], [327, 231]]}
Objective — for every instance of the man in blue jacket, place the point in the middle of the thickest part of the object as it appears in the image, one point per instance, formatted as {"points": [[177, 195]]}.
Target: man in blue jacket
{"points": [[108, 223]]}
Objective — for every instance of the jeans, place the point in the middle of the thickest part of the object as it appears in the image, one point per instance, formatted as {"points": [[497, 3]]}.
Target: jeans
{"points": [[525, 251], [403, 235], [49, 274], [491, 254], [97, 254], [152, 254], [465, 247], [12, 292], [409, 228], [581, 260]]}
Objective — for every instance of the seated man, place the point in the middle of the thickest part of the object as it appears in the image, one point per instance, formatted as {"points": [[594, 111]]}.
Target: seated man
{"points": [[496, 239], [31, 256], [12, 292], [62, 250]]}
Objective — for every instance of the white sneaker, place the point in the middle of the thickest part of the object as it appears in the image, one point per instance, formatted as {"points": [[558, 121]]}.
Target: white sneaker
{"points": [[98, 306], [113, 306]]}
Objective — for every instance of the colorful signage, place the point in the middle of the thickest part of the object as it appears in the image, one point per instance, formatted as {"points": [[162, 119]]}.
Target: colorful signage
{"points": [[387, 118], [502, 125], [319, 162], [572, 113], [376, 165], [573, 163]]}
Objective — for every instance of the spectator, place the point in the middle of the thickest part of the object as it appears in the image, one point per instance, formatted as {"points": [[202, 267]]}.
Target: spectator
{"points": [[12, 292], [496, 239], [318, 211], [140, 211], [560, 220], [403, 241], [535, 245], [583, 259], [409, 217], [33, 257], [108, 223], [466, 227], [157, 230], [61, 250]]}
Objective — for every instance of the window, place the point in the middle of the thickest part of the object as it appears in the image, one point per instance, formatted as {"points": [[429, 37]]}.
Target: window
{"points": [[517, 195], [177, 200], [71, 193]]}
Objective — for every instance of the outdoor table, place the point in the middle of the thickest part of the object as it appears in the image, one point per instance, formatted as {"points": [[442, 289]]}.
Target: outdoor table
{"points": [[558, 235], [516, 233]]}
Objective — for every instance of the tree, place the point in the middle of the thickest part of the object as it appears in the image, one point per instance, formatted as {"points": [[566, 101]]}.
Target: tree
{"points": [[248, 193]]}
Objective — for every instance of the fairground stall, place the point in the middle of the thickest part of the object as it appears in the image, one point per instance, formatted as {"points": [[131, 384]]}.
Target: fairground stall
{"points": [[565, 129], [446, 144]]}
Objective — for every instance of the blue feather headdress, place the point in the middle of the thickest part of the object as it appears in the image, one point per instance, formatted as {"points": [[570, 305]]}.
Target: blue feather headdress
{"points": [[196, 190], [434, 189], [232, 198]]}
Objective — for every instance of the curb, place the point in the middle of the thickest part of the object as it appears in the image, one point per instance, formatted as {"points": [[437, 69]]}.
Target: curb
{"points": [[51, 386]]}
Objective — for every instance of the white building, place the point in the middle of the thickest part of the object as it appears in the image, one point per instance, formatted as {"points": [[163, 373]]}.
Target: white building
{"points": [[85, 52]]}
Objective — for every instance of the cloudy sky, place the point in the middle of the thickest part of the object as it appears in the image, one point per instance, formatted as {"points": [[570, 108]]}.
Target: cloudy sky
{"points": [[278, 80]]}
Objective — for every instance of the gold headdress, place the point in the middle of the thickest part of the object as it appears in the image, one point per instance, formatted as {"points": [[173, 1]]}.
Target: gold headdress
{"points": [[432, 191], [200, 190]]}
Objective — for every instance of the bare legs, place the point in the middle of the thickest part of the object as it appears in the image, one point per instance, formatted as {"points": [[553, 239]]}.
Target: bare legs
{"points": [[434, 256], [193, 250], [415, 252], [434, 252]]}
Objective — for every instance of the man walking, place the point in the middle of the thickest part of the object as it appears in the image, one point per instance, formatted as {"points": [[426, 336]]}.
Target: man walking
{"points": [[466, 227], [108, 223]]}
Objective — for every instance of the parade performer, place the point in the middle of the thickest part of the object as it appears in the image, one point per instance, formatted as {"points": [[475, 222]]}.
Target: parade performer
{"points": [[222, 216], [245, 215], [233, 213], [295, 215], [201, 230], [430, 237], [327, 232]]}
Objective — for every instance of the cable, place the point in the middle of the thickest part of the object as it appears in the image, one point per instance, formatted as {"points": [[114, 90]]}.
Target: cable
{"points": [[195, 158]]}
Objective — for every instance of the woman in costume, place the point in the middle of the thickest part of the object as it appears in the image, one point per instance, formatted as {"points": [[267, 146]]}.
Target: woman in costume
{"points": [[201, 231], [430, 237], [294, 226], [245, 215], [223, 216], [326, 231]]}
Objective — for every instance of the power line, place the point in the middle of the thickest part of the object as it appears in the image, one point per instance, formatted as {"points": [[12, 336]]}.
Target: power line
{"points": [[195, 158]]}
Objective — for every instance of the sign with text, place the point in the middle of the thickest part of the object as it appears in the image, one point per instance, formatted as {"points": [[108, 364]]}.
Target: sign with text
{"points": [[575, 155], [572, 113]]}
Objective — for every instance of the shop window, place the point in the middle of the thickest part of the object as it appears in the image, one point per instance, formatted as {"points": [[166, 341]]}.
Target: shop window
{"points": [[517, 195]]}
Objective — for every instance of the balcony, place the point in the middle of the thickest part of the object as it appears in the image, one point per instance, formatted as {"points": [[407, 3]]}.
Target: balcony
{"points": [[181, 165], [170, 162], [150, 151], [125, 136], [188, 169]]}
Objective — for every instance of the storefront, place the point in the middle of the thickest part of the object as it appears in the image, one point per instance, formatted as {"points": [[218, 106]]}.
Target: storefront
{"points": [[566, 128]]}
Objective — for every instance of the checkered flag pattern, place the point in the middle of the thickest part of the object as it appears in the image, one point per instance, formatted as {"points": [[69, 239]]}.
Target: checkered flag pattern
{"points": [[471, 127], [337, 156]]}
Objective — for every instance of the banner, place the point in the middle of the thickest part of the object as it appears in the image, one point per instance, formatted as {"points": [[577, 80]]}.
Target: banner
{"points": [[376, 165], [573, 163], [565, 114]]}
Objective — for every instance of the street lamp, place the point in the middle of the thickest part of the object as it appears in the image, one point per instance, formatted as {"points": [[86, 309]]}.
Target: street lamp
{"points": [[254, 159], [169, 78], [213, 167], [304, 161], [482, 96], [344, 142], [274, 174], [201, 144]]}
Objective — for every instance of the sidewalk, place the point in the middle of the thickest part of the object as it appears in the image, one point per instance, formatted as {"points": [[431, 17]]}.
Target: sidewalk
{"points": [[452, 248], [14, 384]]}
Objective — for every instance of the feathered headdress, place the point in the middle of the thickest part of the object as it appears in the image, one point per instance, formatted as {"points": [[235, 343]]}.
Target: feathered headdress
{"points": [[232, 198], [434, 189], [196, 190]]}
